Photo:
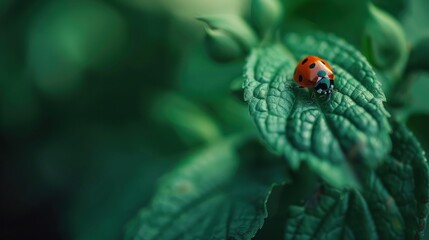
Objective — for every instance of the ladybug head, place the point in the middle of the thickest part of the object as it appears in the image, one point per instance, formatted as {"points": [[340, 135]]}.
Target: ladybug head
{"points": [[324, 85]]}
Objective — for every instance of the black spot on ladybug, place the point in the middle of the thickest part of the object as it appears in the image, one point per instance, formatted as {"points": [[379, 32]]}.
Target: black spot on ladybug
{"points": [[312, 65], [304, 61], [323, 63], [300, 78]]}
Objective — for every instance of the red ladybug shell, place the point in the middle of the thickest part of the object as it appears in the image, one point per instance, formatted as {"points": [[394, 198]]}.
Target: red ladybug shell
{"points": [[306, 71]]}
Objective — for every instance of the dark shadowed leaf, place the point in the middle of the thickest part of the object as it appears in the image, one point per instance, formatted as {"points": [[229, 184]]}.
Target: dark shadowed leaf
{"points": [[394, 7], [418, 56], [330, 135], [392, 204], [343, 18], [215, 194], [334, 217], [411, 95], [418, 124]]}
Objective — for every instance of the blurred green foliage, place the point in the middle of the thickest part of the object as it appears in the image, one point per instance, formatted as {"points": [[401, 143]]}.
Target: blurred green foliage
{"points": [[99, 99]]}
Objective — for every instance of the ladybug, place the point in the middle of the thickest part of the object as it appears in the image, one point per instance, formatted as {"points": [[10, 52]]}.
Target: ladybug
{"points": [[315, 72]]}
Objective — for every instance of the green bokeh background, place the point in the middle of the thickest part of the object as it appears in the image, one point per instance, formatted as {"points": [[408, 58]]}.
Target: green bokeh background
{"points": [[98, 99]]}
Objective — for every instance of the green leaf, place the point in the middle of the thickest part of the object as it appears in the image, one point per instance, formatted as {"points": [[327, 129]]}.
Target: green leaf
{"points": [[392, 203], [415, 20], [350, 128], [405, 176], [337, 216], [266, 15], [228, 37], [221, 46], [187, 118], [386, 44], [213, 195]]}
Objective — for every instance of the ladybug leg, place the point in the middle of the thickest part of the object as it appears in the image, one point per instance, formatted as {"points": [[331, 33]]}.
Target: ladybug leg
{"points": [[293, 86]]}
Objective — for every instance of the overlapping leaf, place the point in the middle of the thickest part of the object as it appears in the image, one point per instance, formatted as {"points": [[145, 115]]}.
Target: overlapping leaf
{"points": [[392, 203], [213, 195], [330, 135], [337, 216]]}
